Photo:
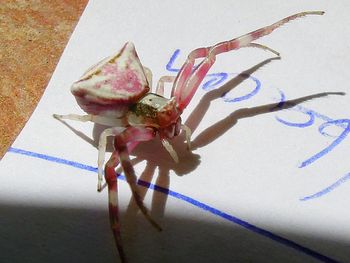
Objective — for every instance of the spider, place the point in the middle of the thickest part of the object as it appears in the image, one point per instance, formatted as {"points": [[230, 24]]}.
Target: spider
{"points": [[116, 93]]}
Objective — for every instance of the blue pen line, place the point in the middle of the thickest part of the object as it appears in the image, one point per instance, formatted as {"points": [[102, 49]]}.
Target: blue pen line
{"points": [[327, 189], [57, 160], [53, 159], [247, 96], [330, 147], [344, 123], [302, 109], [191, 201], [298, 125], [169, 65]]}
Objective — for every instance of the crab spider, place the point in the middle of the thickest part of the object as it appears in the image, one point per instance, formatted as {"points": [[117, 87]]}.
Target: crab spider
{"points": [[116, 93]]}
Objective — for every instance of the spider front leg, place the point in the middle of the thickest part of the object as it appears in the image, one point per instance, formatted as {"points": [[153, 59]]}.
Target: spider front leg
{"points": [[102, 144], [112, 182], [148, 74], [113, 122], [266, 48], [188, 80], [117, 125], [130, 135], [123, 143], [160, 85]]}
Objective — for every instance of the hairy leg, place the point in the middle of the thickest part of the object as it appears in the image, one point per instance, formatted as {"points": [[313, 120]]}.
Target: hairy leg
{"points": [[113, 122], [160, 85], [124, 142], [188, 80]]}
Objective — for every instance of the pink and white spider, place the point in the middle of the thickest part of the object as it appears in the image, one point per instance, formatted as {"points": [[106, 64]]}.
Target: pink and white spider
{"points": [[115, 92]]}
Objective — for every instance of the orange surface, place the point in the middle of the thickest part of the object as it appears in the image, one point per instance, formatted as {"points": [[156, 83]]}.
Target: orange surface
{"points": [[33, 34]]}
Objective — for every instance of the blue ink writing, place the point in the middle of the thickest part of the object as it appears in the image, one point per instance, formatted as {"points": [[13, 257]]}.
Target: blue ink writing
{"points": [[327, 189], [169, 65], [339, 139], [247, 96], [215, 80], [343, 123]]}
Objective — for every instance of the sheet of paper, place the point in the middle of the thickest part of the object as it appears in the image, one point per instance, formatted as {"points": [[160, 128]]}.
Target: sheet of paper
{"points": [[268, 177]]}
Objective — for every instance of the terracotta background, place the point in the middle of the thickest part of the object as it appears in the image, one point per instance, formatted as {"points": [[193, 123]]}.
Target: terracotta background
{"points": [[33, 35]]}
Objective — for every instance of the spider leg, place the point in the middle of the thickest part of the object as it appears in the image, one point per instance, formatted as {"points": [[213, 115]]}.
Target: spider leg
{"points": [[160, 85], [112, 182], [186, 69], [148, 74], [256, 45], [188, 80], [166, 144], [114, 122], [124, 143], [102, 152], [188, 134], [132, 134], [113, 208]]}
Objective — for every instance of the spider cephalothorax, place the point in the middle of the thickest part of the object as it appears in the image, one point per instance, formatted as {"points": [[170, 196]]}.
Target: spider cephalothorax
{"points": [[155, 111]]}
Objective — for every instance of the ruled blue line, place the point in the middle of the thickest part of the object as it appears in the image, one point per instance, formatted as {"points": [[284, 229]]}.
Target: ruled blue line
{"points": [[189, 200]]}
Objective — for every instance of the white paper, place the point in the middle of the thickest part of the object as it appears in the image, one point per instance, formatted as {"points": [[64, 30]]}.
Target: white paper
{"points": [[249, 191]]}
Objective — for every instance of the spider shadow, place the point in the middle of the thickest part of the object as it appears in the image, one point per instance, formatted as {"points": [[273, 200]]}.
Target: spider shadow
{"points": [[151, 151]]}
